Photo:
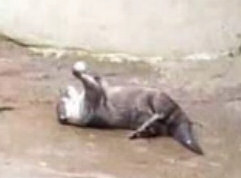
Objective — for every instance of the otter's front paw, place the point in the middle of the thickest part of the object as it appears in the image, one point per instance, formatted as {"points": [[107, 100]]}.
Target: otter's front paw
{"points": [[134, 135]]}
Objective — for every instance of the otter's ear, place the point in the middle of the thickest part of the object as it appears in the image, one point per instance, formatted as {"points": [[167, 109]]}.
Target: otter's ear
{"points": [[183, 133]]}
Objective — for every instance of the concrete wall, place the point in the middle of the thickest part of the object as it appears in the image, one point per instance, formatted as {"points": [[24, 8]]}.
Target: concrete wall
{"points": [[153, 27]]}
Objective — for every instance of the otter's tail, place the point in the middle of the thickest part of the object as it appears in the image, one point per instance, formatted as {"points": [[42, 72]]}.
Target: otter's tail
{"points": [[183, 133]]}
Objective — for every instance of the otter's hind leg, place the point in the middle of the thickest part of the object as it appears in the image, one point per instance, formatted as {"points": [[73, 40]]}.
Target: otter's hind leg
{"points": [[152, 127]]}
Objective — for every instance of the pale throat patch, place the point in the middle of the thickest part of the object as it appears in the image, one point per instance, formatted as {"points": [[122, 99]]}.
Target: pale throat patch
{"points": [[73, 104]]}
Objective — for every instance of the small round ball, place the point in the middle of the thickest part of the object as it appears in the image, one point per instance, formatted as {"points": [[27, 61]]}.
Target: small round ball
{"points": [[80, 66]]}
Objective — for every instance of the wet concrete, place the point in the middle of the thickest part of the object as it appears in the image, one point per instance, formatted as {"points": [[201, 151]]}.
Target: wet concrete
{"points": [[33, 144]]}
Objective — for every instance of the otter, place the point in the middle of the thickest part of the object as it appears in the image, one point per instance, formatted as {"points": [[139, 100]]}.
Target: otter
{"points": [[147, 111]]}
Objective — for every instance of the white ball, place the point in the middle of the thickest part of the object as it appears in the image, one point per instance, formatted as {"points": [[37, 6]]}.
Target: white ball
{"points": [[80, 66]]}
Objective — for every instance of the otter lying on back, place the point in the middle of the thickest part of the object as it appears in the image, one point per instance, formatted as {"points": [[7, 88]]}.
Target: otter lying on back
{"points": [[147, 111]]}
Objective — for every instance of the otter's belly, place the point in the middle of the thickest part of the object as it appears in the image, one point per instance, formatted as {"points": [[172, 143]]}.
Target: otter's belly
{"points": [[130, 105]]}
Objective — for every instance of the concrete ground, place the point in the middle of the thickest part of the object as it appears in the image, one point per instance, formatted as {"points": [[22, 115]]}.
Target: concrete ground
{"points": [[34, 145]]}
